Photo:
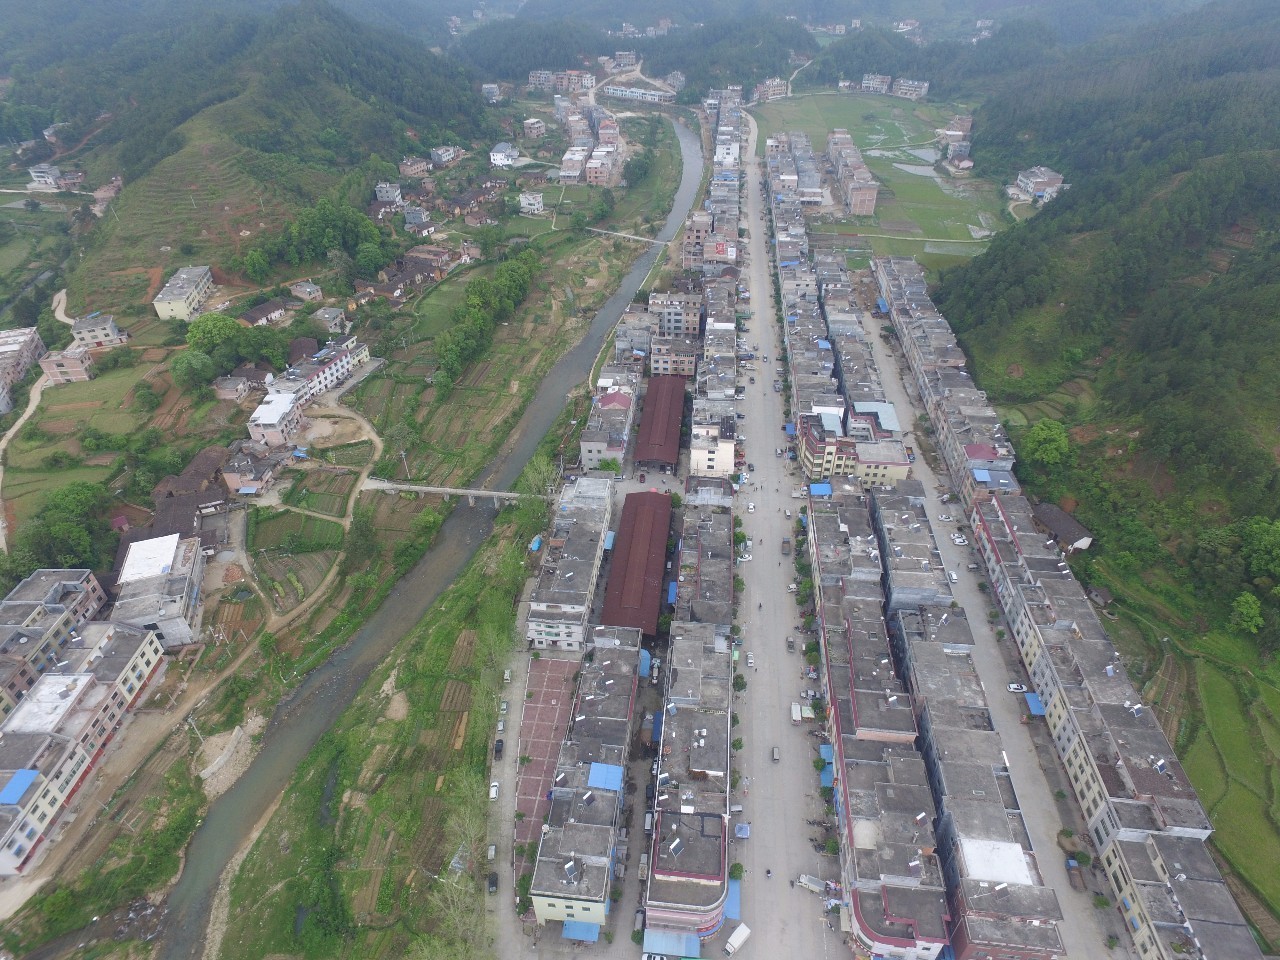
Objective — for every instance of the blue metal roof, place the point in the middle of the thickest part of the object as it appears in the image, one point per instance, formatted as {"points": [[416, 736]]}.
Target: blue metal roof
{"points": [[605, 776], [790, 428], [608, 539], [657, 727], [535, 544], [581, 930], [742, 831], [671, 942], [672, 591], [828, 776], [826, 752], [1034, 704], [882, 304], [820, 490], [733, 902], [17, 786], [645, 657]]}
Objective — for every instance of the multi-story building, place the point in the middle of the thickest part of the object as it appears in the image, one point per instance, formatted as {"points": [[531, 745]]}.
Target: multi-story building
{"points": [[183, 295], [534, 129], [1040, 183], [625, 58], [72, 365], [678, 312], [608, 428], [541, 79], [20, 349], [387, 193], [415, 167], [277, 420], [333, 319], [44, 176], [530, 203], [910, 89], [306, 290], [642, 94], [445, 156], [324, 370], [875, 83], [676, 356], [97, 330], [159, 588], [775, 88], [504, 155], [565, 587], [710, 454]]}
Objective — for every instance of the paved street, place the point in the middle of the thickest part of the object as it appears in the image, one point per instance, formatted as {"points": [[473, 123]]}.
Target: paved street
{"points": [[780, 797]]}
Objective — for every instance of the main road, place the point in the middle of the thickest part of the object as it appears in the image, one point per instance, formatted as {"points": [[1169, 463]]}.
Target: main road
{"points": [[778, 798]]}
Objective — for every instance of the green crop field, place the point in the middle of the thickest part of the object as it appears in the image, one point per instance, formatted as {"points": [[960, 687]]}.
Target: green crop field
{"points": [[287, 530], [920, 212]]}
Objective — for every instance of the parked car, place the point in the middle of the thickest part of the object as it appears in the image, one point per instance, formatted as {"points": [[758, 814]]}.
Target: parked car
{"points": [[642, 478], [1016, 687], [493, 790], [751, 659], [497, 748], [944, 517], [493, 883], [751, 507]]}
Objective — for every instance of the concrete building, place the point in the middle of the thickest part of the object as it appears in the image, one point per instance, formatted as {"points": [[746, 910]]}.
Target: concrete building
{"points": [[710, 454], [910, 89], [531, 203], [504, 155], [705, 561], [387, 193], [579, 846], [306, 290], [329, 367], [534, 129], [608, 428], [565, 587], [678, 312], [20, 349], [98, 330], [72, 365], [1040, 183], [277, 420], [184, 293], [445, 156], [875, 83], [159, 589], [415, 167], [640, 94], [333, 319], [44, 176], [673, 356]]}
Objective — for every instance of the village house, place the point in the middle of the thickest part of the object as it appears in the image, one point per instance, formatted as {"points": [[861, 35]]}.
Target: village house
{"points": [[97, 330], [306, 290], [531, 203], [159, 588], [277, 420], [445, 156], [875, 83], [265, 313], [415, 167], [534, 129], [504, 155], [251, 468], [72, 365], [387, 193], [231, 388], [19, 351], [333, 319], [910, 89]]}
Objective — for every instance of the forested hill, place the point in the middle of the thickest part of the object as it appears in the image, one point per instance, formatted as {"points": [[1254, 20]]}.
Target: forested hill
{"points": [[509, 49], [1143, 305], [133, 71]]}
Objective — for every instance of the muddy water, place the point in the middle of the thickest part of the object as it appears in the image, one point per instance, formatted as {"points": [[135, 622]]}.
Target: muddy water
{"points": [[300, 721]]}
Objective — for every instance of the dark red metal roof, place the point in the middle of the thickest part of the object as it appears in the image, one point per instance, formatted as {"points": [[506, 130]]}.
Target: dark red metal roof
{"points": [[633, 596], [659, 437]]}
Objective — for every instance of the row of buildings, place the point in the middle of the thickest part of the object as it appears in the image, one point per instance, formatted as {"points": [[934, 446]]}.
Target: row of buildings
{"points": [[594, 155], [895, 87], [561, 81], [1144, 818]]}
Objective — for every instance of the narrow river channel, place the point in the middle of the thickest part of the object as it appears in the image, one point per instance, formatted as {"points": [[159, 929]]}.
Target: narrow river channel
{"points": [[315, 706]]}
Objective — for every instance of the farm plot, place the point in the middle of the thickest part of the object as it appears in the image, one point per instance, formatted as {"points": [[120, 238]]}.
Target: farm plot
{"points": [[292, 531], [356, 454], [324, 491], [290, 579]]}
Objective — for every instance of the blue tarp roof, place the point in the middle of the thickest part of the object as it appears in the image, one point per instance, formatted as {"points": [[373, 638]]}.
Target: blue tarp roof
{"points": [[982, 476], [17, 786], [828, 778], [824, 345], [672, 589], [608, 539], [671, 942], [605, 776], [1034, 704], [581, 930], [645, 657], [733, 902], [657, 727], [743, 832], [790, 428], [246, 491], [820, 490], [826, 752], [535, 544], [882, 304]]}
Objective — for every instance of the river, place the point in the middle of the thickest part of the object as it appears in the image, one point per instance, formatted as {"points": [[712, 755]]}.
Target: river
{"points": [[317, 703]]}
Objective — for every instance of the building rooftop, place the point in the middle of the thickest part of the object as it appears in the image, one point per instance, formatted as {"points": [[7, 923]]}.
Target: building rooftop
{"points": [[182, 283], [150, 558], [573, 545], [633, 596]]}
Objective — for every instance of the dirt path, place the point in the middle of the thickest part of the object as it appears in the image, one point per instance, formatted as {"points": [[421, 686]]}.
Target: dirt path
{"points": [[60, 307], [33, 401]]}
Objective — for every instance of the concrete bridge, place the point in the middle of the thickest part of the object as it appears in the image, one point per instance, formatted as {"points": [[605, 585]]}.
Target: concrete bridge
{"points": [[497, 496]]}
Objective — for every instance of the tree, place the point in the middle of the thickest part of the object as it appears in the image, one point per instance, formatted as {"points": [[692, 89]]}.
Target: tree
{"points": [[209, 330], [256, 267], [32, 204], [1246, 613], [1046, 445], [369, 259], [191, 369]]}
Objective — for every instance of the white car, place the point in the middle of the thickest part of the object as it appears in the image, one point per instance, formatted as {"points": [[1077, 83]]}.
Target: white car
{"points": [[959, 541], [493, 790], [745, 558], [751, 508], [751, 659], [944, 517], [1016, 687]]}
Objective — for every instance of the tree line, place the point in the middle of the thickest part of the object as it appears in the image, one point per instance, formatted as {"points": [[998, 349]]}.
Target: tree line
{"points": [[488, 303]]}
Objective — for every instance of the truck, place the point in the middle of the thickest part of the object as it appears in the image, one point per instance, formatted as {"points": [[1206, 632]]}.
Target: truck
{"points": [[795, 714], [737, 939], [812, 884], [1075, 874], [786, 546]]}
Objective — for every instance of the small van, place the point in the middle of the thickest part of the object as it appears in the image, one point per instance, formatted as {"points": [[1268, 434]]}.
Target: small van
{"points": [[492, 853], [493, 790], [952, 575], [777, 754], [648, 824], [639, 920], [735, 808], [506, 676]]}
